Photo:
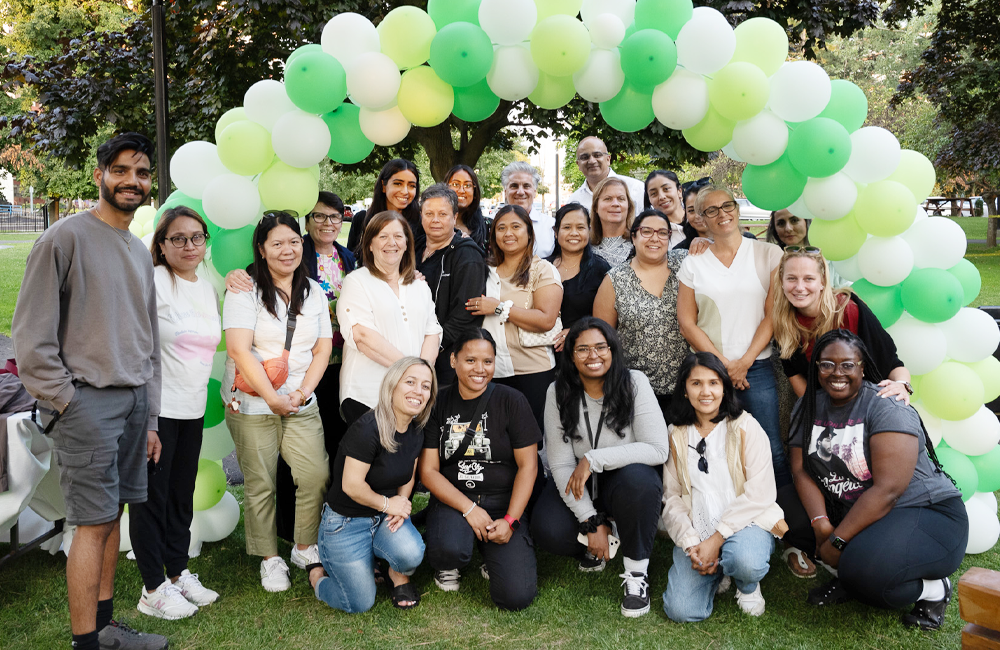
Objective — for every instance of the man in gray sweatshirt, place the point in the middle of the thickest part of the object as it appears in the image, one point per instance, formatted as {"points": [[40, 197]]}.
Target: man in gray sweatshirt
{"points": [[86, 339]]}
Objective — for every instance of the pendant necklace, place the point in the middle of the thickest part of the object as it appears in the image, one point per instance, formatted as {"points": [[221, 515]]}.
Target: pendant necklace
{"points": [[117, 232]]}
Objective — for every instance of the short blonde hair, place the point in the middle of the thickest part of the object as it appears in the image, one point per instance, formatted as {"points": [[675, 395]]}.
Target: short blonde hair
{"points": [[385, 417], [788, 331], [596, 230]]}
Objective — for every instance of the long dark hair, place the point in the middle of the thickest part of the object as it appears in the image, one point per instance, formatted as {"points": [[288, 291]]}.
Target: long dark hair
{"points": [[690, 234], [523, 271], [472, 216], [681, 411], [261, 274], [381, 204], [619, 390], [772, 230], [653, 174], [589, 263], [160, 235]]}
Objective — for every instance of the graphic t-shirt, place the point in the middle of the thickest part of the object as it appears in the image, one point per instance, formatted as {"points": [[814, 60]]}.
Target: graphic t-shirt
{"points": [[487, 466], [330, 274], [388, 472]]}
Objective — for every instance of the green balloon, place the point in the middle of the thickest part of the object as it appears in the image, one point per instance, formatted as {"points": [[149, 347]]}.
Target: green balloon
{"points": [[988, 371], [237, 114], [667, 16], [348, 144], [932, 295], [819, 147], [210, 484], [180, 198], [316, 82], [762, 42], [988, 470], [968, 276], [215, 410], [283, 187], [628, 111], [245, 148], [885, 302], [775, 186], [552, 92], [446, 12], [885, 208], [712, 133], [739, 91], [839, 239], [461, 54], [952, 391], [233, 249], [476, 102], [305, 49], [560, 45], [848, 105], [648, 59], [961, 469]]}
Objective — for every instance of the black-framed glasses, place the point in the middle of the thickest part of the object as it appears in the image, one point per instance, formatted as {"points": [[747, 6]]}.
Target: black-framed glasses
{"points": [[807, 250], [181, 241], [846, 367], [320, 217], [583, 351], [702, 462], [712, 211]]}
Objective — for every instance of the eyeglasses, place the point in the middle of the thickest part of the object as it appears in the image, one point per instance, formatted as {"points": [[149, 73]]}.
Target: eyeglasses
{"points": [[647, 233], [319, 217], [712, 211], [807, 250], [455, 185], [597, 155], [583, 351], [702, 462], [827, 367], [180, 241]]}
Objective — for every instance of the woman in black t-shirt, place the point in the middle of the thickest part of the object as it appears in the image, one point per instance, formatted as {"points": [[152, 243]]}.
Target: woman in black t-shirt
{"points": [[480, 474], [368, 506]]}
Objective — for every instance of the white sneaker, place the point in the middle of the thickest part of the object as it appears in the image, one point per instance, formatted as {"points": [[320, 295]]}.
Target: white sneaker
{"points": [[305, 557], [274, 574], [448, 580], [752, 603], [192, 589], [166, 602], [724, 585]]}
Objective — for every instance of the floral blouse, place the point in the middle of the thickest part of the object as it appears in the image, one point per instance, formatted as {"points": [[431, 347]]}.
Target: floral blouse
{"points": [[330, 272]]}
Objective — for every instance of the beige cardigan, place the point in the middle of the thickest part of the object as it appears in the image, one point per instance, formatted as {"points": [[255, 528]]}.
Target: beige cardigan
{"points": [[749, 454]]}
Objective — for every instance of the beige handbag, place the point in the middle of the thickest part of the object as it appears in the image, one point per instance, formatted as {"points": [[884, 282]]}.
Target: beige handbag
{"points": [[539, 339]]}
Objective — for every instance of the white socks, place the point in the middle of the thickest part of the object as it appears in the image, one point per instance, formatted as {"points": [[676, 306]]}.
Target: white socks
{"points": [[933, 591], [642, 566]]}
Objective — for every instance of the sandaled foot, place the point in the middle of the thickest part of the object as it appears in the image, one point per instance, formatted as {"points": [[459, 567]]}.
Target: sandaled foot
{"points": [[405, 596], [832, 593], [798, 563], [379, 574]]}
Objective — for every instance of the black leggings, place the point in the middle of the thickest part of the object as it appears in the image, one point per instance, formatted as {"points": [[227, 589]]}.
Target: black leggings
{"points": [[886, 563]]}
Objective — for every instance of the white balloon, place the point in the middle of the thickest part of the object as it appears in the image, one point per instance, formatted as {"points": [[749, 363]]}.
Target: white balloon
{"points": [[973, 436], [937, 242], [972, 335], [875, 154], [194, 165], [830, 198], [300, 139], [921, 346], [800, 210], [921, 214], [761, 139], [125, 541], [730, 151], [373, 80], [601, 77], [607, 31], [217, 442], [706, 43], [988, 499], [147, 240], [848, 269], [800, 90], [594, 11], [931, 422], [266, 101], [219, 521], [384, 128], [514, 74], [231, 201], [681, 101], [208, 273], [349, 35], [885, 261], [508, 22], [984, 526]]}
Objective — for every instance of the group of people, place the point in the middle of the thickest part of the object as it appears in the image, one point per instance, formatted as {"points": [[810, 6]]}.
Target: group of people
{"points": [[482, 360]]}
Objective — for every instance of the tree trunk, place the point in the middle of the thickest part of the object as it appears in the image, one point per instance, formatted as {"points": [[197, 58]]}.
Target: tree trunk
{"points": [[54, 213], [474, 139], [992, 220]]}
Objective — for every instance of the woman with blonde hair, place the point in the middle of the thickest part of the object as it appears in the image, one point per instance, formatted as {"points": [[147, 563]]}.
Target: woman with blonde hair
{"points": [[611, 215]]}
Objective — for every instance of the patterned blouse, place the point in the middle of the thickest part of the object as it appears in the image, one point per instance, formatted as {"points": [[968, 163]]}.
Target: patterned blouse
{"points": [[614, 249], [647, 324], [330, 272]]}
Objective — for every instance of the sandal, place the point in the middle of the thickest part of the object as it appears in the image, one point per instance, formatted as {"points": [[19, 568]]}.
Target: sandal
{"points": [[379, 574], [405, 592], [798, 563], [832, 593]]}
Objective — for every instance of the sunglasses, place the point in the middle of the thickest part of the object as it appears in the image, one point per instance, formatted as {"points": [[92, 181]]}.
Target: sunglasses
{"points": [[274, 214], [702, 462], [696, 185], [807, 250]]}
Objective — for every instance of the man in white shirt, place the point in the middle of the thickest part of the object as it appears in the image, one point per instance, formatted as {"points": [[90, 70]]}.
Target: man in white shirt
{"points": [[520, 185], [594, 161]]}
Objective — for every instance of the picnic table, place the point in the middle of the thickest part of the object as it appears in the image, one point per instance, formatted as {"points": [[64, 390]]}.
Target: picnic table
{"points": [[957, 206]]}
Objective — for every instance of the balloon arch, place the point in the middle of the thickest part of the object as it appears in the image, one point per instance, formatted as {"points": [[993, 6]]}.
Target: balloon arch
{"points": [[801, 134]]}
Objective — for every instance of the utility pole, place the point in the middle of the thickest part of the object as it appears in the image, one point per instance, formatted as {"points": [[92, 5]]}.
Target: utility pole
{"points": [[160, 101]]}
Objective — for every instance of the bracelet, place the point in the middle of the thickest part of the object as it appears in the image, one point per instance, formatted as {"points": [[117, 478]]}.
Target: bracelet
{"points": [[504, 308], [385, 504], [590, 525], [469, 511], [299, 391], [817, 518]]}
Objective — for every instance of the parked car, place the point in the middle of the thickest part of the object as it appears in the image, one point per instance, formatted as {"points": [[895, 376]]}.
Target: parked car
{"points": [[750, 211]]}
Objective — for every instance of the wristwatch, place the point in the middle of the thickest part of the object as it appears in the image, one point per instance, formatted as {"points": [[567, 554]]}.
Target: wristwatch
{"points": [[837, 542], [907, 386], [513, 523]]}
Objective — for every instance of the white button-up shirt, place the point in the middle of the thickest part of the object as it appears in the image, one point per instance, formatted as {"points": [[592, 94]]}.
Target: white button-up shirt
{"points": [[636, 189]]}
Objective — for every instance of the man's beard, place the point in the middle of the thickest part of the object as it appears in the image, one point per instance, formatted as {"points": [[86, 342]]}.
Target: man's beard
{"points": [[110, 197]]}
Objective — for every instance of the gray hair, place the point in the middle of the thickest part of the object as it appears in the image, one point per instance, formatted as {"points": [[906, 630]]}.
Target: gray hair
{"points": [[440, 191], [520, 166], [699, 199], [385, 417]]}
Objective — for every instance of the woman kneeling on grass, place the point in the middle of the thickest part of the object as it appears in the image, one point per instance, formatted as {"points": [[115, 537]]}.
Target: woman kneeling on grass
{"points": [[479, 461], [720, 495], [368, 507]]}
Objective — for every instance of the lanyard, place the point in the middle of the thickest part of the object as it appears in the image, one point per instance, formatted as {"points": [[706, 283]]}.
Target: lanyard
{"points": [[593, 441]]}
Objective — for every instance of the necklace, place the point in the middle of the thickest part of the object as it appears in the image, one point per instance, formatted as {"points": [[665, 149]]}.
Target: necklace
{"points": [[128, 241]]}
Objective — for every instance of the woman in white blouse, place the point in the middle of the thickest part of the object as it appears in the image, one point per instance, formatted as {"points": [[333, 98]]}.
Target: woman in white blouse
{"points": [[385, 313]]}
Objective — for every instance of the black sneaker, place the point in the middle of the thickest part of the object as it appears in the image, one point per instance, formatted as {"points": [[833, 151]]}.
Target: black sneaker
{"points": [[929, 615], [590, 564], [119, 636], [636, 600]]}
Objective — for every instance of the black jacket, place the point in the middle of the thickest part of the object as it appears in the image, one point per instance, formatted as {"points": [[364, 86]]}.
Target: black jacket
{"points": [[309, 257], [455, 274]]}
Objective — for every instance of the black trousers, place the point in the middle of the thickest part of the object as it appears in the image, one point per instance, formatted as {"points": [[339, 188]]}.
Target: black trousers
{"points": [[631, 495], [886, 563], [533, 387], [352, 409], [160, 528], [512, 567]]}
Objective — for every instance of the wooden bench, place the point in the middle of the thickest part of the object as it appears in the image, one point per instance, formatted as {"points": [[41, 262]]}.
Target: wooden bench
{"points": [[979, 606]]}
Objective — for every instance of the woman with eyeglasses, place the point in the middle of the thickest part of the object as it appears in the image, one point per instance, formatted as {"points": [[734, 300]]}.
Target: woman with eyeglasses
{"points": [[870, 499], [720, 508], [611, 215], [663, 193], [190, 330], [639, 298], [469, 218], [396, 189], [606, 440], [286, 316], [724, 307]]}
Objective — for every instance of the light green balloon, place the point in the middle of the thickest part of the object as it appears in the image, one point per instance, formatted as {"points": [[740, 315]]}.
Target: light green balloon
{"points": [[548, 8], [989, 373], [552, 92], [445, 12], [476, 102], [840, 239], [968, 275], [885, 208], [210, 484], [424, 99], [952, 391], [283, 187], [237, 114], [848, 105], [916, 172], [629, 110], [712, 133], [405, 34], [762, 42], [739, 91], [960, 468], [245, 148], [560, 45], [668, 16]]}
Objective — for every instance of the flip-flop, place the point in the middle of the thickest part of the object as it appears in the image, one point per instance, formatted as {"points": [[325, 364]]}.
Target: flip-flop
{"points": [[832, 593], [406, 592], [800, 566]]}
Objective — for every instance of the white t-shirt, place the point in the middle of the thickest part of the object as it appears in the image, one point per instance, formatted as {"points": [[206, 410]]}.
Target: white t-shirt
{"points": [[545, 236], [636, 189], [190, 331], [731, 300], [403, 321], [711, 492], [245, 310]]}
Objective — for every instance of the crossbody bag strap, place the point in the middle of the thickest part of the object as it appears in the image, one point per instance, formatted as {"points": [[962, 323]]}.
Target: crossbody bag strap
{"points": [[289, 331], [471, 430]]}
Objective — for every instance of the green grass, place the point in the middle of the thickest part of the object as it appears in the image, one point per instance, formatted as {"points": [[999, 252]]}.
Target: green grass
{"points": [[974, 227], [18, 236], [12, 261], [573, 610]]}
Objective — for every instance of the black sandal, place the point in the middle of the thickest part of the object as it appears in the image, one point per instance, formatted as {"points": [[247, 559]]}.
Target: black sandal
{"points": [[405, 592], [832, 593], [929, 615], [380, 574]]}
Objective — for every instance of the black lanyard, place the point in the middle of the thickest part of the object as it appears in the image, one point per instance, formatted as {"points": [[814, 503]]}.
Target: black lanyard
{"points": [[593, 441]]}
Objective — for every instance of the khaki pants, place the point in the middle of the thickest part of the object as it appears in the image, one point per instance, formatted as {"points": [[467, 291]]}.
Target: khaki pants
{"points": [[299, 439]]}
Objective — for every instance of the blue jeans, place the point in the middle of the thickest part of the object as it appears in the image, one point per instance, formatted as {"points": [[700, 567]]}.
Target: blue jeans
{"points": [[745, 557], [761, 401], [348, 547]]}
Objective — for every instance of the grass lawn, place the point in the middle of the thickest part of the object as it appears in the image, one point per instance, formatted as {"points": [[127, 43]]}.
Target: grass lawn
{"points": [[573, 610], [12, 262]]}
